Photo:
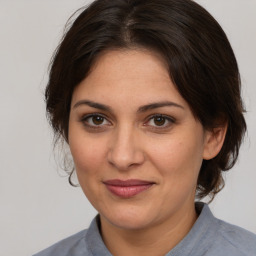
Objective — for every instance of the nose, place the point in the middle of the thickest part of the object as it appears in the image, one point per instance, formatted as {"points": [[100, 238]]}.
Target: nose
{"points": [[125, 150]]}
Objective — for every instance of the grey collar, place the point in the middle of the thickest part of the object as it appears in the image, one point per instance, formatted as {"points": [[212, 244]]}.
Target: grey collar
{"points": [[198, 235]]}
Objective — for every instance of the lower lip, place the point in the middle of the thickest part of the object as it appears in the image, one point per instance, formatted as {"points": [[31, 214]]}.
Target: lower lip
{"points": [[127, 191]]}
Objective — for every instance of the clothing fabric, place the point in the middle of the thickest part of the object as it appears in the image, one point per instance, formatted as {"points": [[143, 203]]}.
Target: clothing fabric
{"points": [[209, 236]]}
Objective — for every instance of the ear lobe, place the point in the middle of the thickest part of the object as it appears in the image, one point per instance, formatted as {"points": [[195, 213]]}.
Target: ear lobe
{"points": [[214, 140]]}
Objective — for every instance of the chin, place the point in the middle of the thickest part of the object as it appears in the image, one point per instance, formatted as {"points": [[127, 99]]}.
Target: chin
{"points": [[129, 219], [129, 224]]}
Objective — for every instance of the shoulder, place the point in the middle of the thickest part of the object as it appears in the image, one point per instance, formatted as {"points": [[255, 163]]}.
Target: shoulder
{"points": [[233, 240], [84, 243], [74, 245], [213, 236]]}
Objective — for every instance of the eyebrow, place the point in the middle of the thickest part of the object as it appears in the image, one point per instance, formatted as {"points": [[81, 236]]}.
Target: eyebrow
{"points": [[93, 105], [141, 109], [158, 105]]}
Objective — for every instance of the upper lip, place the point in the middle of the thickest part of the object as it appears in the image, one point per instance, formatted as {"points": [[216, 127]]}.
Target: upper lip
{"points": [[127, 183]]}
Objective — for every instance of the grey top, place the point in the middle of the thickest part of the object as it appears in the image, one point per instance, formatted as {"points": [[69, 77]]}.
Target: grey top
{"points": [[208, 237]]}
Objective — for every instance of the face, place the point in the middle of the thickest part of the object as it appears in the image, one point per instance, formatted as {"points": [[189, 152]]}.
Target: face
{"points": [[136, 145]]}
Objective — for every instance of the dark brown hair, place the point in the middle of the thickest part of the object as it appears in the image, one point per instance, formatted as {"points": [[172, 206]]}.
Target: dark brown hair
{"points": [[200, 59]]}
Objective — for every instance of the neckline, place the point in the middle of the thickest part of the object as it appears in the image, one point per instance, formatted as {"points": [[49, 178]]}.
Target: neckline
{"points": [[185, 247]]}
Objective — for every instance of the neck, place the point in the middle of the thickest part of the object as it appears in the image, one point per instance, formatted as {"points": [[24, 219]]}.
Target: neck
{"points": [[151, 241]]}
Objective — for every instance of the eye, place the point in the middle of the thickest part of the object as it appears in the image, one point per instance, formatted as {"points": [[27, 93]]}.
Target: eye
{"points": [[160, 121], [95, 120]]}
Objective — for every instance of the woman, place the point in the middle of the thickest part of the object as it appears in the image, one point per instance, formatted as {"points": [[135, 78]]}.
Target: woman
{"points": [[147, 96]]}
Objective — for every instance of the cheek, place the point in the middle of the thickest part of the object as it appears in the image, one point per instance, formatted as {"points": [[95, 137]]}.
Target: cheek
{"points": [[88, 154], [178, 159], [88, 158]]}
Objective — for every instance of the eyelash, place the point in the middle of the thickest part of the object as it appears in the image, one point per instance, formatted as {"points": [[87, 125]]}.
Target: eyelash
{"points": [[166, 118], [85, 118]]}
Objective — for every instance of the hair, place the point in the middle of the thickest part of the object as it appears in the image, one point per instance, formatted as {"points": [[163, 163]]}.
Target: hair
{"points": [[200, 61]]}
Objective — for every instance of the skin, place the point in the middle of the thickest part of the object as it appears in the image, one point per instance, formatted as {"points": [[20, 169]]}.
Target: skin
{"points": [[124, 143]]}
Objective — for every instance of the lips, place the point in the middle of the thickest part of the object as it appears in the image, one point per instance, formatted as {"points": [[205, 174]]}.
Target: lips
{"points": [[127, 188]]}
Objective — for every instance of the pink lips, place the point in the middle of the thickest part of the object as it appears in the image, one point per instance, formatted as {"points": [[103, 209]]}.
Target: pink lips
{"points": [[127, 188]]}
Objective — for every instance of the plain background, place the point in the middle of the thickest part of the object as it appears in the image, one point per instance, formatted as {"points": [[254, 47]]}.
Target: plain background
{"points": [[38, 207]]}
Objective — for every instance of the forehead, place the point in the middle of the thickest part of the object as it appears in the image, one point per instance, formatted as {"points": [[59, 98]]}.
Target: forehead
{"points": [[144, 60], [130, 75]]}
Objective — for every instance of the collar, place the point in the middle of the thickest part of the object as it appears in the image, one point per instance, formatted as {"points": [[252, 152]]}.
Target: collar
{"points": [[205, 224]]}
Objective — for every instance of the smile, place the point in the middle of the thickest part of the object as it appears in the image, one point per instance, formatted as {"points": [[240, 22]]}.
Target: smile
{"points": [[127, 188]]}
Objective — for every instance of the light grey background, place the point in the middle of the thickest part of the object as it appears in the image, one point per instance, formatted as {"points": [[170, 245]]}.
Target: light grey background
{"points": [[38, 207]]}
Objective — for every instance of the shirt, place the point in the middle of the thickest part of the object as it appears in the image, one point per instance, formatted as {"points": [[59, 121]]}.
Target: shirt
{"points": [[209, 236]]}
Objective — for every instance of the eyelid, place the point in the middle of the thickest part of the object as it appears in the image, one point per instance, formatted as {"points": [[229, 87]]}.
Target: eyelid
{"points": [[84, 117], [168, 118]]}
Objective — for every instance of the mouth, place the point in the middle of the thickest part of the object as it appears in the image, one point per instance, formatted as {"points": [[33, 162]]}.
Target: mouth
{"points": [[127, 188]]}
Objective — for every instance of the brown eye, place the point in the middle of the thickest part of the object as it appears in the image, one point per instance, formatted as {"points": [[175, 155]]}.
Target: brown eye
{"points": [[97, 120], [159, 120]]}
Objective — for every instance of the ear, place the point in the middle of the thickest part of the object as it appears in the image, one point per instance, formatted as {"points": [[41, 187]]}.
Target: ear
{"points": [[214, 140]]}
